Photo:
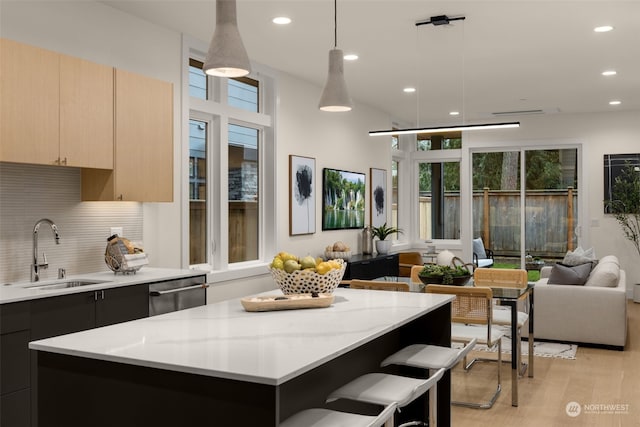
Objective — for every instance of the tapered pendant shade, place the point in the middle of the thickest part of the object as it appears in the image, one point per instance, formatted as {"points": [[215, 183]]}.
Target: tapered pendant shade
{"points": [[227, 56], [335, 97]]}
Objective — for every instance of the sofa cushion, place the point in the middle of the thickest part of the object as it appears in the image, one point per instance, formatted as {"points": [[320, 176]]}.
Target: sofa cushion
{"points": [[569, 275], [579, 256], [605, 274], [478, 248]]}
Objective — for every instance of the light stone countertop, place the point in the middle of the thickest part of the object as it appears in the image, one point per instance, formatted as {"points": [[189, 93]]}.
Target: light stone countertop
{"points": [[225, 341], [22, 292]]}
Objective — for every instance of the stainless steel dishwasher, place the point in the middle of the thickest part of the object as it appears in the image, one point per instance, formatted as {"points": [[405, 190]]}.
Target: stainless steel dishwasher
{"points": [[178, 294]]}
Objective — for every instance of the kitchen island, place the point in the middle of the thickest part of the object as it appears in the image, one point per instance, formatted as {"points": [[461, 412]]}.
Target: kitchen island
{"points": [[219, 365]]}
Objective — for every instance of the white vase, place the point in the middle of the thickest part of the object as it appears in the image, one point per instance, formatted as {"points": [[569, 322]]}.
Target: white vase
{"points": [[383, 246]]}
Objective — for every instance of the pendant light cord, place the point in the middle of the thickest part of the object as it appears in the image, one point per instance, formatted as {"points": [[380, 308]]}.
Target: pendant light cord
{"points": [[335, 24]]}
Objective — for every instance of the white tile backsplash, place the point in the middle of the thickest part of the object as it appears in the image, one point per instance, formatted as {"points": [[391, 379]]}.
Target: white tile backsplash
{"points": [[31, 192]]}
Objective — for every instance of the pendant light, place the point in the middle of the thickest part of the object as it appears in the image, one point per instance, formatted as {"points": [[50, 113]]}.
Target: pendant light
{"points": [[335, 97], [227, 56]]}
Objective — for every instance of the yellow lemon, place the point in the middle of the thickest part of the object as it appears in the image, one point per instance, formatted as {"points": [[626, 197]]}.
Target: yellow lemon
{"points": [[323, 268]]}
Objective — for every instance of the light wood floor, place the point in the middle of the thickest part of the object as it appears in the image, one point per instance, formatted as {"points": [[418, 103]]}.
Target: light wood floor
{"points": [[596, 378]]}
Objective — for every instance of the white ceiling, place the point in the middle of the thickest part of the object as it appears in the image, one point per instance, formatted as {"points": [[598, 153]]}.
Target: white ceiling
{"points": [[508, 55]]}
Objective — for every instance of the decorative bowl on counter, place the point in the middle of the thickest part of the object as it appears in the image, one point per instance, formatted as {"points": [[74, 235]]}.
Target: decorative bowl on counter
{"points": [[308, 281], [345, 255]]}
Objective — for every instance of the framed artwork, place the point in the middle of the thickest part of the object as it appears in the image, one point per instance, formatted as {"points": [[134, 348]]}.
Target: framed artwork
{"points": [[302, 205], [343, 195], [378, 203], [620, 172]]}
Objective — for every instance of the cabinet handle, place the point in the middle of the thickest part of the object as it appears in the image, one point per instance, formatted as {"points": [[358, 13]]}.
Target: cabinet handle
{"points": [[64, 161], [120, 197], [95, 296], [174, 290], [102, 293]]}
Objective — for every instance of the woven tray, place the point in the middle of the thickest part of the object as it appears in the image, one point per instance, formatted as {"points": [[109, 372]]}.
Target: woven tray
{"points": [[286, 302]]}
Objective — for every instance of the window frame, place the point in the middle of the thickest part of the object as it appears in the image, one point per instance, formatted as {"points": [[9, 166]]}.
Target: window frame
{"points": [[218, 116]]}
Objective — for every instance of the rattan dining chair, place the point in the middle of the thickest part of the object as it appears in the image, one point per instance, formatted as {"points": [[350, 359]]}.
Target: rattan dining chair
{"points": [[415, 271], [471, 318], [406, 260], [379, 285], [505, 278]]}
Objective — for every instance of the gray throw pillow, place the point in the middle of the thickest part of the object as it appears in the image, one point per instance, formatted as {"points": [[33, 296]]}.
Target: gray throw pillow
{"points": [[580, 256], [569, 274], [478, 248]]}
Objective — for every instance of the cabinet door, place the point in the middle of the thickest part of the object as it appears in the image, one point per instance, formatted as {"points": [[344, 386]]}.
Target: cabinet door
{"points": [[14, 361], [29, 104], [144, 138], [86, 113], [122, 304], [62, 315], [15, 409]]}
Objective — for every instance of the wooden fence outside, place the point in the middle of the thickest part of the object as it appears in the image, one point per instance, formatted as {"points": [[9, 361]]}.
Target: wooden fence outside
{"points": [[551, 217]]}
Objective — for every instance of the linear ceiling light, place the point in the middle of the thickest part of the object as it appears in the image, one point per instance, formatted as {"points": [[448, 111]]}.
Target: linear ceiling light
{"points": [[227, 56], [440, 129], [437, 21], [335, 97]]}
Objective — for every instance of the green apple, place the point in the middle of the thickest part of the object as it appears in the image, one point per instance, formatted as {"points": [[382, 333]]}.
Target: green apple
{"points": [[291, 265], [308, 262]]}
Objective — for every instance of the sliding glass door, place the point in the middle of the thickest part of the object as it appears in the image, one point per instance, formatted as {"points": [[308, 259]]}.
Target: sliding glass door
{"points": [[531, 224]]}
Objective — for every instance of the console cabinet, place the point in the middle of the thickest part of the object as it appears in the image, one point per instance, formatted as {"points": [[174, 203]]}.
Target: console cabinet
{"points": [[368, 267]]}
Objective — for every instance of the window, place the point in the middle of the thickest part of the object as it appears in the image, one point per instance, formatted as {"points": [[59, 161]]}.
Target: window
{"points": [[450, 141], [198, 87], [243, 180], [439, 200], [229, 139], [197, 191], [394, 193]]}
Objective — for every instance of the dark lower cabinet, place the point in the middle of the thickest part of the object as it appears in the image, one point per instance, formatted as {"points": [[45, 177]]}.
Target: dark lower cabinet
{"points": [[27, 321], [14, 364], [15, 409]]}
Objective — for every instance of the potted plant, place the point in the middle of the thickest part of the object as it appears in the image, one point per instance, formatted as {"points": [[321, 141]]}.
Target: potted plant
{"points": [[444, 274], [382, 245]]}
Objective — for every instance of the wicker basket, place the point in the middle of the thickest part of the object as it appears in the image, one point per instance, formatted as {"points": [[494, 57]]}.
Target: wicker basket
{"points": [[306, 281], [114, 257]]}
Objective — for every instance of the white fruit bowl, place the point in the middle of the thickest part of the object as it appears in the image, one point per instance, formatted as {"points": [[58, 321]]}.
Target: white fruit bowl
{"points": [[307, 281]]}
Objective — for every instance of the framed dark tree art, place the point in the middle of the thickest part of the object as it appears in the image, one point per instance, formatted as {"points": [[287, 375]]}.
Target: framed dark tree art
{"points": [[378, 197], [302, 205]]}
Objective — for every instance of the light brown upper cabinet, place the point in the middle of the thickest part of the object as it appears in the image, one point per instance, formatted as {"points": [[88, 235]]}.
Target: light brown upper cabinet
{"points": [[55, 109], [143, 169], [29, 104], [86, 113]]}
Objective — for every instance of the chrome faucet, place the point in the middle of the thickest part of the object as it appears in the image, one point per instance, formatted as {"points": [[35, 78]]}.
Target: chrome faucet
{"points": [[36, 266]]}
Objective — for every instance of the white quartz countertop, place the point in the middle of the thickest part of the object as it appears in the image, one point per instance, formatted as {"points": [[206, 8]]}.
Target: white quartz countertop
{"points": [[225, 341], [23, 291]]}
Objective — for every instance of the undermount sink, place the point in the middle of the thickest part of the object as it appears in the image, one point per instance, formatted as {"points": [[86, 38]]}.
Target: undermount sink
{"points": [[65, 284]]}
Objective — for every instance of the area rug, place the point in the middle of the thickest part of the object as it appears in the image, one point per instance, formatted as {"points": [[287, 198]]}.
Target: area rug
{"points": [[540, 348]]}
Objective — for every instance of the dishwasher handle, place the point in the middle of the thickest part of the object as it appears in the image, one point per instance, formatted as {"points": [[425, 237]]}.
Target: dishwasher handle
{"points": [[175, 290]]}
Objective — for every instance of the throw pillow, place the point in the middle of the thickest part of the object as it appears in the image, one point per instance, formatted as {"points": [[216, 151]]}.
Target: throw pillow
{"points": [[605, 274], [569, 274], [579, 256], [478, 248]]}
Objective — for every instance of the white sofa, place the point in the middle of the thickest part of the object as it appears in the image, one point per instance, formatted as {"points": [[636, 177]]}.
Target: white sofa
{"points": [[593, 313]]}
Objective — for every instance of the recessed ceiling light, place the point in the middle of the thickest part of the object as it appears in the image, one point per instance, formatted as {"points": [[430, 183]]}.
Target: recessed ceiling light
{"points": [[281, 20], [615, 102], [350, 57], [454, 113], [609, 73], [603, 29], [409, 89]]}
